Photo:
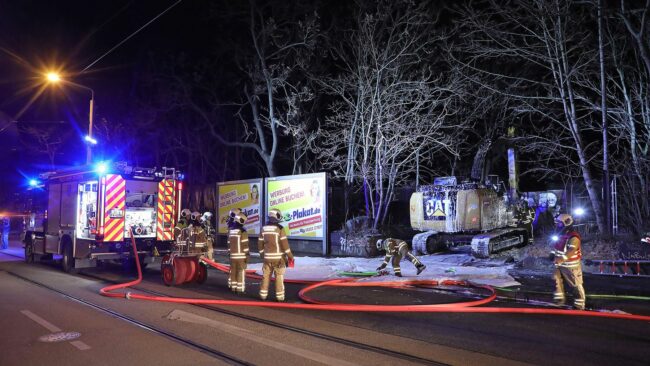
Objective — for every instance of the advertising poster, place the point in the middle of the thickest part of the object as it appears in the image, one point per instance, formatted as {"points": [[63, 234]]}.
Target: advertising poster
{"points": [[302, 201], [245, 195]]}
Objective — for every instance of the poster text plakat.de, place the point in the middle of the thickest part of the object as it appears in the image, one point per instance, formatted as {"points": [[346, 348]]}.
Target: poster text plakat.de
{"points": [[245, 196], [301, 199]]}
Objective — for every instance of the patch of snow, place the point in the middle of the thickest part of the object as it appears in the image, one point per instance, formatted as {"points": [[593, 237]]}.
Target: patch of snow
{"points": [[460, 267]]}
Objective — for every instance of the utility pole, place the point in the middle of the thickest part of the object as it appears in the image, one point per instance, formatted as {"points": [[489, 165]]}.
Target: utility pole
{"points": [[607, 201], [89, 158]]}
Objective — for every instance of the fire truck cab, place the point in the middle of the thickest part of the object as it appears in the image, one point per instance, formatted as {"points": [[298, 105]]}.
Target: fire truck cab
{"points": [[90, 213]]}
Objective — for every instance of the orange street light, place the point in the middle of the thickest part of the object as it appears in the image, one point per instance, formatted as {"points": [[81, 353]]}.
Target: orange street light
{"points": [[53, 77]]}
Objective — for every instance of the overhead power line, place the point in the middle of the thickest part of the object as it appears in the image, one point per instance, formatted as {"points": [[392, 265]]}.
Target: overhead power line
{"points": [[131, 35]]}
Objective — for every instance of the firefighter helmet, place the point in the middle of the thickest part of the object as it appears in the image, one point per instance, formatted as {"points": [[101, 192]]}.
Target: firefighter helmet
{"points": [[241, 218], [234, 212], [565, 219], [380, 244], [275, 215], [207, 217], [185, 213], [195, 216]]}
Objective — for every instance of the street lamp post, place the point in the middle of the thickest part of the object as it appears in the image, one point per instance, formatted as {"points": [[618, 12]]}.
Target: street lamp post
{"points": [[54, 78], [90, 125]]}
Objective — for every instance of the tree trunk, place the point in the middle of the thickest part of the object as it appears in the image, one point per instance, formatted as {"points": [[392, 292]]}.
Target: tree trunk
{"points": [[603, 107]]}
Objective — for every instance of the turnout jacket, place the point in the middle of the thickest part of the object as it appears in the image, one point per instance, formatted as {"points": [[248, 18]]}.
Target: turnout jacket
{"points": [[394, 247], [238, 243], [273, 242], [567, 250]]}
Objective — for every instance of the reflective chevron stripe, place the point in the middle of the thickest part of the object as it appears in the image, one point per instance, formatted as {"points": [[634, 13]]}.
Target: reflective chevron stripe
{"points": [[165, 215], [114, 205]]}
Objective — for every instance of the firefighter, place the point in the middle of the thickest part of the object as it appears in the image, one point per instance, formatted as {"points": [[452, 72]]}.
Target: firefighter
{"points": [[6, 227], [206, 223], [195, 218], [274, 249], [525, 218], [239, 253], [567, 255], [183, 222], [181, 226], [397, 249], [230, 221]]}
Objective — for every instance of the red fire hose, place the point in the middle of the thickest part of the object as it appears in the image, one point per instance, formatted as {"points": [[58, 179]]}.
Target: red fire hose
{"points": [[312, 304]]}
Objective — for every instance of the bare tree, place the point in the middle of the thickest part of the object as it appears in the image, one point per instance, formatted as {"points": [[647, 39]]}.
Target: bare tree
{"points": [[391, 108], [274, 90], [629, 111], [47, 139], [636, 22], [544, 52]]}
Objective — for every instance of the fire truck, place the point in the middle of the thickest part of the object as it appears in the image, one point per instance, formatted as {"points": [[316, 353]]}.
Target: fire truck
{"points": [[88, 215]]}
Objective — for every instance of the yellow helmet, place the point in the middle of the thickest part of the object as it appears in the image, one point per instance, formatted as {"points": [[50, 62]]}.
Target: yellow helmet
{"points": [[565, 219]]}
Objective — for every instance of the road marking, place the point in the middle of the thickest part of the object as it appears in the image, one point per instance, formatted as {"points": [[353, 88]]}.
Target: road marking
{"points": [[244, 333], [53, 328], [81, 346], [59, 337], [47, 325]]}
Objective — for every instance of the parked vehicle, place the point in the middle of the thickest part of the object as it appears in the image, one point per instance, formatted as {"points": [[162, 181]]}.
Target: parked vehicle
{"points": [[87, 214]]}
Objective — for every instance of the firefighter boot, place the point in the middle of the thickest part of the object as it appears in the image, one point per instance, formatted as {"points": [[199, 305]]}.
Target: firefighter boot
{"points": [[421, 268]]}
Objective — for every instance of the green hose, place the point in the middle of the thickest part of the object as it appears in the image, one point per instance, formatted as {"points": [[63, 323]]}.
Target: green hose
{"points": [[594, 296], [357, 274]]}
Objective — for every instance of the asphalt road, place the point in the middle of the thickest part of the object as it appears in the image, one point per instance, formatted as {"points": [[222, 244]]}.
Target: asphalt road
{"points": [[159, 333]]}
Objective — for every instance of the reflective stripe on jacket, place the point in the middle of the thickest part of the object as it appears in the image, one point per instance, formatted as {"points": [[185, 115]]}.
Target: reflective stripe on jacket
{"points": [[273, 242], [568, 247], [238, 243], [393, 247]]}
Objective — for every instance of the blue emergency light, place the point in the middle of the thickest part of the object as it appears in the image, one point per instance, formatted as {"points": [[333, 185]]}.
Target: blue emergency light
{"points": [[101, 167], [90, 140], [33, 183]]}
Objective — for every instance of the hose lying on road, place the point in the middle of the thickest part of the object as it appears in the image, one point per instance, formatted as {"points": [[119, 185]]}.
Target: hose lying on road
{"points": [[593, 296], [312, 304]]}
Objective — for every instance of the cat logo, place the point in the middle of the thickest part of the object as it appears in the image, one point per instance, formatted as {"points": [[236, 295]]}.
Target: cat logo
{"points": [[439, 213], [434, 210]]}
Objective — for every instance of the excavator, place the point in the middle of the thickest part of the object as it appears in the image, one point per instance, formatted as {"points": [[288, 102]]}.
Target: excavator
{"points": [[476, 212]]}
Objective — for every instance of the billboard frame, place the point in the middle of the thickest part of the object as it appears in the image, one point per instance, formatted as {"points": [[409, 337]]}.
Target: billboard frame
{"points": [[262, 199], [324, 213]]}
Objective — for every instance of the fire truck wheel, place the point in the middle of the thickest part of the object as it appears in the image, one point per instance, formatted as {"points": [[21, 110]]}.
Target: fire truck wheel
{"points": [[168, 274], [201, 273], [67, 262], [29, 253]]}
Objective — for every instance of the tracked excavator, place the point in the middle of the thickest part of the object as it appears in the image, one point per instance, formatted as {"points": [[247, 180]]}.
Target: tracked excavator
{"points": [[481, 213]]}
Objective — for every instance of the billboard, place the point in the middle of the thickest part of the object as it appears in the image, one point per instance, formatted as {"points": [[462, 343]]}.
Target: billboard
{"points": [[244, 194], [302, 199]]}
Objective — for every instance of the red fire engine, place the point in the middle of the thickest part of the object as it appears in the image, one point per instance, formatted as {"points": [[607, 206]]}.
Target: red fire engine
{"points": [[90, 213]]}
